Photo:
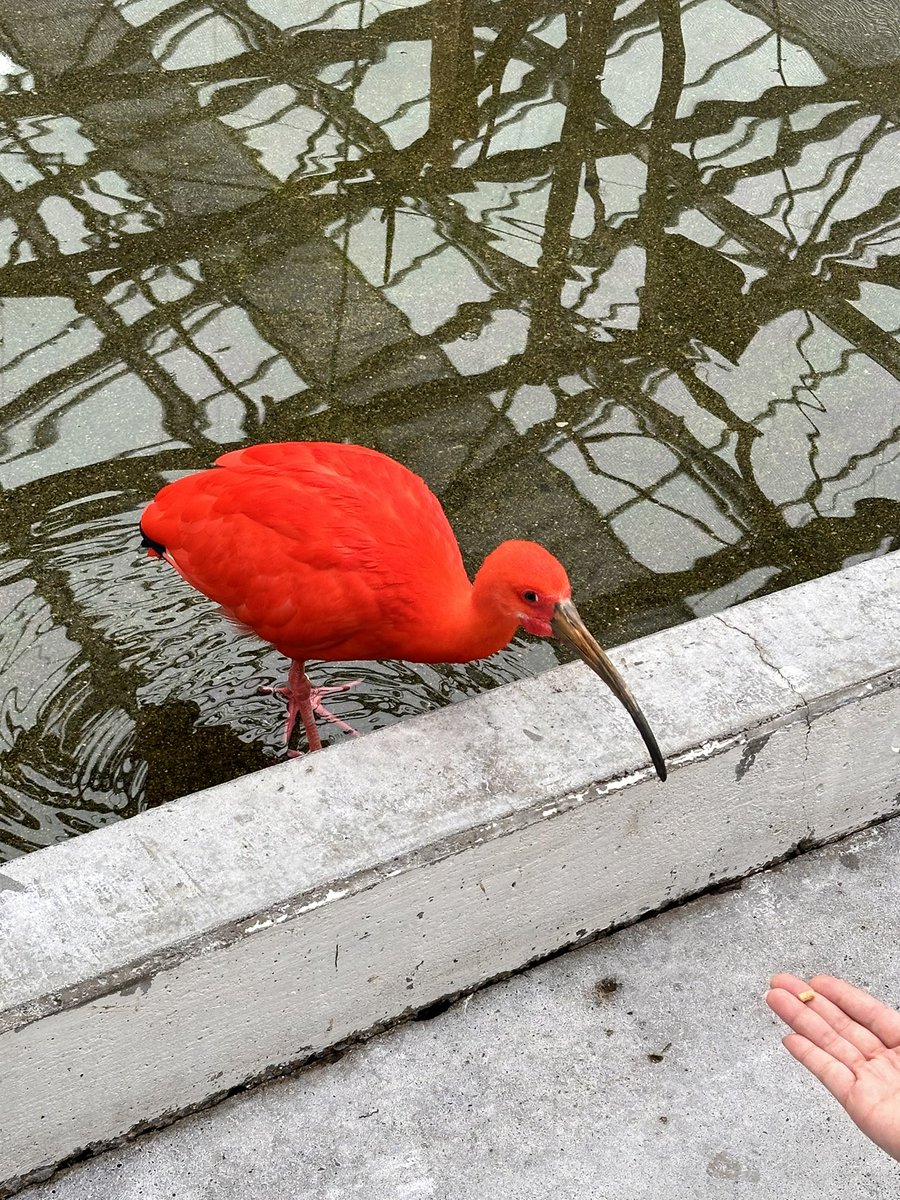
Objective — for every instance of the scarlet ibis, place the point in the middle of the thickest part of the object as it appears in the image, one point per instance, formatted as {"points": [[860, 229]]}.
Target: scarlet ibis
{"points": [[336, 552]]}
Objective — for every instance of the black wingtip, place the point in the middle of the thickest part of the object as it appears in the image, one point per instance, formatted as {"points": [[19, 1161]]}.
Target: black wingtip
{"points": [[150, 544]]}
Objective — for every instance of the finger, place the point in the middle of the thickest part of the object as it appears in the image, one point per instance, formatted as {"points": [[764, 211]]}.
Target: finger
{"points": [[884, 1022], [790, 983], [813, 1027], [858, 1034], [868, 1043], [834, 1075]]}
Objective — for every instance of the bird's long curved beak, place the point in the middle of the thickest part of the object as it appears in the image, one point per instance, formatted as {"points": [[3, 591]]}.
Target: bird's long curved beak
{"points": [[568, 626]]}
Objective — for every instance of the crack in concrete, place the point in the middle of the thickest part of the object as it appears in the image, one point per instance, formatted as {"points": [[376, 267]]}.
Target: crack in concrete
{"points": [[767, 662]]}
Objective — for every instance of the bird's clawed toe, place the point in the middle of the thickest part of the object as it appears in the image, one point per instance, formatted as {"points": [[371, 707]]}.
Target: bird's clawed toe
{"points": [[318, 692], [315, 697]]}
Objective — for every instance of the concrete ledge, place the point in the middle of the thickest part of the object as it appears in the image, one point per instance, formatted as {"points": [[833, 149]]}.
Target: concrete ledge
{"points": [[152, 965]]}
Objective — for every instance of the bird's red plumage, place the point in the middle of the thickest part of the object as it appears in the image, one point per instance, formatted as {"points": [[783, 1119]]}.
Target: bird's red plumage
{"points": [[326, 550], [337, 552]]}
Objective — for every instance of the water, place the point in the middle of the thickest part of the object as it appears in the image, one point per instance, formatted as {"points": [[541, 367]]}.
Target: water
{"points": [[651, 322]]}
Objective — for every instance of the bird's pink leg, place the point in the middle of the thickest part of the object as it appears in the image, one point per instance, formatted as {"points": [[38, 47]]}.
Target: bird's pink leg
{"points": [[306, 701], [299, 692]]}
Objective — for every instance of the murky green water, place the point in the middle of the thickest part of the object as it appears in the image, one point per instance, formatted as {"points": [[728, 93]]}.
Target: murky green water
{"points": [[651, 321]]}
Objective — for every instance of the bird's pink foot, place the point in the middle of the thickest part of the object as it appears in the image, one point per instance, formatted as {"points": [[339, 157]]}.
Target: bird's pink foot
{"points": [[302, 696], [315, 696]]}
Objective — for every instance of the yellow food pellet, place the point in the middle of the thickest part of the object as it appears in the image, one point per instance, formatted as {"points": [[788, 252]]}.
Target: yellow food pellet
{"points": [[807, 996]]}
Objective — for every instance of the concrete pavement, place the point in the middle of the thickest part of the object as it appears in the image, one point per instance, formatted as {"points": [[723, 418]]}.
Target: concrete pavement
{"points": [[643, 1065]]}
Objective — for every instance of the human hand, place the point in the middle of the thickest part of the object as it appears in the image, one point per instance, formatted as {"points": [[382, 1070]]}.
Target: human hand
{"points": [[851, 1043]]}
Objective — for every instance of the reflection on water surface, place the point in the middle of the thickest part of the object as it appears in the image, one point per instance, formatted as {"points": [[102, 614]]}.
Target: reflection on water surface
{"points": [[620, 278]]}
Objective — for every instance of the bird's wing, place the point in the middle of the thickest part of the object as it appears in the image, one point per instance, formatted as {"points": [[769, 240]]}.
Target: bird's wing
{"points": [[309, 544], [349, 506]]}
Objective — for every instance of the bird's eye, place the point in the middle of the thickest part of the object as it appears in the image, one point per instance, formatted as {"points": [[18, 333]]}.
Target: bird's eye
{"points": [[530, 597]]}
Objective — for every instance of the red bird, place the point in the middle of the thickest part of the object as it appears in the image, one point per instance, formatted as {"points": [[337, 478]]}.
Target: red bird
{"points": [[337, 552]]}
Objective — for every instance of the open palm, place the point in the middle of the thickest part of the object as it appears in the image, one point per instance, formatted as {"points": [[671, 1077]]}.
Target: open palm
{"points": [[851, 1043]]}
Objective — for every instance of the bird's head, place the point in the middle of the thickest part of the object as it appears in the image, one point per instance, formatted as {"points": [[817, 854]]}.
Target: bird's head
{"points": [[523, 582]]}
